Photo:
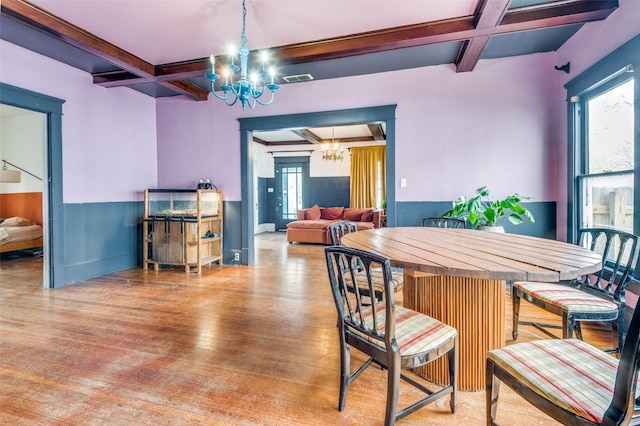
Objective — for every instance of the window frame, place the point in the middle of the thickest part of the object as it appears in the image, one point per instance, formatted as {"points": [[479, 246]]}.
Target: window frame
{"points": [[607, 73]]}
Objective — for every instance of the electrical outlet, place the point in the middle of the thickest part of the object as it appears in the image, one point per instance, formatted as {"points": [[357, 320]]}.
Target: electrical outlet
{"points": [[236, 257]]}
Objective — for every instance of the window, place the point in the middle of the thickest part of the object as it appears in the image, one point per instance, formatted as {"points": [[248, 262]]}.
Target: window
{"points": [[607, 165], [604, 139]]}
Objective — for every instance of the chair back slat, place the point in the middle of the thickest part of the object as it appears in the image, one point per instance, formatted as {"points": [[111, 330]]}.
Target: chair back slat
{"points": [[619, 252], [338, 230], [351, 277]]}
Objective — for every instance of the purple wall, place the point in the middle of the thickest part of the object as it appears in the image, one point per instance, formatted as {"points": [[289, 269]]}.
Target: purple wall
{"points": [[454, 131], [108, 135]]}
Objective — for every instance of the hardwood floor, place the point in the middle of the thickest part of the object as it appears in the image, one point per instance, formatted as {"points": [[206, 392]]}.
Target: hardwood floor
{"points": [[237, 345]]}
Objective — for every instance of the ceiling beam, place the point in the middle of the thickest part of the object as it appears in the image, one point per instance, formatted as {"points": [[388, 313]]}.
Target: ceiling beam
{"points": [[41, 20], [137, 70], [308, 135], [183, 87], [450, 30], [488, 15], [462, 29], [376, 131]]}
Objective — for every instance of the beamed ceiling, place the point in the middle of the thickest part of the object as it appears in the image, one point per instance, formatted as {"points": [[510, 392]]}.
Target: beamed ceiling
{"points": [[492, 29], [347, 37]]}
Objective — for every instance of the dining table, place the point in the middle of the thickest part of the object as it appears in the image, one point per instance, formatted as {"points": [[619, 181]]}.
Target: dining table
{"points": [[459, 277]]}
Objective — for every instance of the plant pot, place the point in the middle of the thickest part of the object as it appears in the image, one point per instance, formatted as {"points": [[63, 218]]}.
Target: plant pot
{"points": [[499, 229]]}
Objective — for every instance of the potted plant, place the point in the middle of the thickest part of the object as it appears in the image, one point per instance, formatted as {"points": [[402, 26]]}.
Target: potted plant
{"points": [[483, 211]]}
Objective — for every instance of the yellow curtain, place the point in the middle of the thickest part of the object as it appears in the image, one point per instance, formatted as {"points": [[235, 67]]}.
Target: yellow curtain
{"points": [[368, 176]]}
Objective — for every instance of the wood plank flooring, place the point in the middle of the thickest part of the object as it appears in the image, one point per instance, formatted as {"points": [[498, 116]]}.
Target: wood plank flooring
{"points": [[234, 346]]}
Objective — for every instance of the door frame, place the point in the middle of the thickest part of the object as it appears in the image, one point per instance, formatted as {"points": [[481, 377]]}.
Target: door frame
{"points": [[385, 113], [53, 225], [277, 164]]}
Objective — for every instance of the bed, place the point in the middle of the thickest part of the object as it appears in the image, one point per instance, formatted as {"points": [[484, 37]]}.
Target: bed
{"points": [[19, 233], [22, 224]]}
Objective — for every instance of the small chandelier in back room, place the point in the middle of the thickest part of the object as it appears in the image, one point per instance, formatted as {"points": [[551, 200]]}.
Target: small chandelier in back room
{"points": [[246, 89], [331, 153]]}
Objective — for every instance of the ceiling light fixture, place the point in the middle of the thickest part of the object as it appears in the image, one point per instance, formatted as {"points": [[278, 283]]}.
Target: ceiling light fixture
{"points": [[245, 89], [332, 154]]}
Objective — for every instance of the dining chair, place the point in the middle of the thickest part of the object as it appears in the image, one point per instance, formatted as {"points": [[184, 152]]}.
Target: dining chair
{"points": [[443, 222], [393, 337], [594, 297], [568, 379], [336, 231]]}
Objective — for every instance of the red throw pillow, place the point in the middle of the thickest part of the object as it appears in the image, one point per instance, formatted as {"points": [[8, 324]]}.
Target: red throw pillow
{"points": [[312, 213], [367, 216], [332, 213], [353, 215]]}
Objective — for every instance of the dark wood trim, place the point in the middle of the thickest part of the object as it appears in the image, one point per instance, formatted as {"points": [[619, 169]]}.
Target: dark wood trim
{"points": [[448, 30], [488, 15], [183, 87], [482, 25], [134, 68], [31, 15]]}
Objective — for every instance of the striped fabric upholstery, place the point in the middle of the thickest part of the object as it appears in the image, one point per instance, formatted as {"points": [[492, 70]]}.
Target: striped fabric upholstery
{"points": [[415, 332], [570, 373], [567, 298], [397, 280]]}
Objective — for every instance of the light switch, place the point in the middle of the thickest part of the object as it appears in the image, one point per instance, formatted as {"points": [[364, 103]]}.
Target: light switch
{"points": [[403, 183], [269, 189]]}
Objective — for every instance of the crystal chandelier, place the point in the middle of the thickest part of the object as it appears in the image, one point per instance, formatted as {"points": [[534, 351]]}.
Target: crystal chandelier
{"points": [[331, 153], [245, 89]]}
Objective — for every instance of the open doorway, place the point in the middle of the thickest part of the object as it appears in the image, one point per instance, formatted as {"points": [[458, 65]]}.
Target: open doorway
{"points": [[22, 158], [383, 114], [48, 111]]}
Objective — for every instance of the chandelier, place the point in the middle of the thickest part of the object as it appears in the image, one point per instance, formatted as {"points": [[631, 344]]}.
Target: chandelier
{"points": [[246, 89], [331, 153]]}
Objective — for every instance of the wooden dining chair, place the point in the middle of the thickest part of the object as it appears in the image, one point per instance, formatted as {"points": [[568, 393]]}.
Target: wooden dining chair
{"points": [[336, 231], [594, 297], [568, 379], [393, 337], [443, 222]]}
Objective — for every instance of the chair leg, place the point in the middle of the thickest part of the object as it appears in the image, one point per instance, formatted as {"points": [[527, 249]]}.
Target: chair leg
{"points": [[617, 326], [516, 312], [492, 391], [393, 386], [453, 357], [578, 329], [345, 370], [567, 326]]}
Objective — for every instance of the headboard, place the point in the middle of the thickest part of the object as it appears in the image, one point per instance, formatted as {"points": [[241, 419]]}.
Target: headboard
{"points": [[23, 204]]}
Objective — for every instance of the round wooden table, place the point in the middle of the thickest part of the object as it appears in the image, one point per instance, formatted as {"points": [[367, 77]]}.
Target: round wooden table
{"points": [[458, 276]]}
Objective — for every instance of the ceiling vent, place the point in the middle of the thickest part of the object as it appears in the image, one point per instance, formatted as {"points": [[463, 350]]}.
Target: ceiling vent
{"points": [[297, 78]]}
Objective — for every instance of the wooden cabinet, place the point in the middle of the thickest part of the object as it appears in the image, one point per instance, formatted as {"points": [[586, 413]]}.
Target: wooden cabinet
{"points": [[182, 227]]}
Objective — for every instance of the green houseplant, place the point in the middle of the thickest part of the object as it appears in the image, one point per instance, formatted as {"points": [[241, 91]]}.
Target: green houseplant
{"points": [[482, 210]]}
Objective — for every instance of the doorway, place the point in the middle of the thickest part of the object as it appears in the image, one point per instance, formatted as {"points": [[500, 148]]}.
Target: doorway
{"points": [[53, 248], [384, 114], [291, 179]]}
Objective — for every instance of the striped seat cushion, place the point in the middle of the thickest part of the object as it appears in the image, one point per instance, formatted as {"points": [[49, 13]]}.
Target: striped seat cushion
{"points": [[569, 373], [415, 332], [397, 280], [565, 297]]}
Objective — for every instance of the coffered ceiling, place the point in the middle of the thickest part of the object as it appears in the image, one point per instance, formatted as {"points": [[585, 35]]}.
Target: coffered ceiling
{"points": [[161, 48]]}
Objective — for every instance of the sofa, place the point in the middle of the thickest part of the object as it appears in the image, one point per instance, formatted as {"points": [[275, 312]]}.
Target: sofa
{"points": [[313, 223]]}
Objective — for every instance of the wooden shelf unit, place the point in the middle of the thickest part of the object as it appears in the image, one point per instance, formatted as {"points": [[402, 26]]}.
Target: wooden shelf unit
{"points": [[182, 228]]}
